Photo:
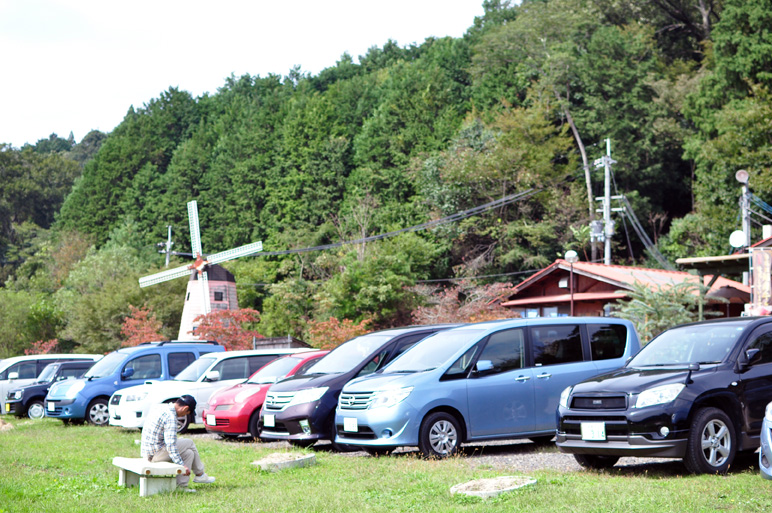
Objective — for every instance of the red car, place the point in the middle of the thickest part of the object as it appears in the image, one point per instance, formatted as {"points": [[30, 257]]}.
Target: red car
{"points": [[235, 410]]}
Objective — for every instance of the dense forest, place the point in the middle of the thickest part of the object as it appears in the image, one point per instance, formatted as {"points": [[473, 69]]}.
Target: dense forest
{"points": [[517, 108]]}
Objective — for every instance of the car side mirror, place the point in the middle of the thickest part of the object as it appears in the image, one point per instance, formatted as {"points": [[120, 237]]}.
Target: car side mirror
{"points": [[13, 375], [483, 367], [127, 372], [212, 376], [753, 355]]}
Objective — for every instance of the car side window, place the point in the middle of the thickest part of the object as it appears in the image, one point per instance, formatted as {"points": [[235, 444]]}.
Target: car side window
{"points": [[25, 370], [460, 367], [556, 344], [145, 367], [607, 341], [374, 363], [255, 362], [233, 368], [505, 350], [178, 361], [764, 344], [304, 368]]}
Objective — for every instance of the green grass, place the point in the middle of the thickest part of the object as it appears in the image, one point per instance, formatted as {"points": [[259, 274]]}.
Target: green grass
{"points": [[45, 466]]}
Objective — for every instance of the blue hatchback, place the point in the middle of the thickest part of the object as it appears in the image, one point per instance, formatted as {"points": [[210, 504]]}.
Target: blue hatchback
{"points": [[491, 380], [86, 398]]}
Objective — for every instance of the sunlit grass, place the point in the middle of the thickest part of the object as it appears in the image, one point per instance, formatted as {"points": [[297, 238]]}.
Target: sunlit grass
{"points": [[45, 466]]}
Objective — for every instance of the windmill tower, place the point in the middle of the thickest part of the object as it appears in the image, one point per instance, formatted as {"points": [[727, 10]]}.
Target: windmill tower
{"points": [[200, 297]]}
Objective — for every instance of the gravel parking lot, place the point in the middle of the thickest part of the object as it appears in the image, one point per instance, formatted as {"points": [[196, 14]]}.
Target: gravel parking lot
{"points": [[511, 455]]}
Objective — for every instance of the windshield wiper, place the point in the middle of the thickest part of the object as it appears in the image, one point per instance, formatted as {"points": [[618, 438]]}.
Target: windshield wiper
{"points": [[708, 363]]}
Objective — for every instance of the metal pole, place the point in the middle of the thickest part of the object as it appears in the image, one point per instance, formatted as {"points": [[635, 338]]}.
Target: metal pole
{"points": [[168, 244], [571, 286], [607, 205]]}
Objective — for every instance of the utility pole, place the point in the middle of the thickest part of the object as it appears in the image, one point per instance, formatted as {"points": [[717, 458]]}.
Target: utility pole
{"points": [[608, 224], [167, 246]]}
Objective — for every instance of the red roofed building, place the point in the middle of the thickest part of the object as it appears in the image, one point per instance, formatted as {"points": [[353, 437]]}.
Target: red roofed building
{"points": [[548, 293]]}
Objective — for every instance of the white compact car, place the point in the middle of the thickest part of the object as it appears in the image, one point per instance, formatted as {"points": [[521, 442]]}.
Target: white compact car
{"points": [[129, 407]]}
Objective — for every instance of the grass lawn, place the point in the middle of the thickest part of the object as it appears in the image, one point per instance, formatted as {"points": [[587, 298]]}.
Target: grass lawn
{"points": [[45, 466]]}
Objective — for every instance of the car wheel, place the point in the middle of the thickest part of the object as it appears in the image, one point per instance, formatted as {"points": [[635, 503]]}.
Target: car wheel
{"points": [[541, 440], [378, 451], [36, 410], [183, 423], [596, 461], [440, 435], [97, 413], [711, 445], [254, 425]]}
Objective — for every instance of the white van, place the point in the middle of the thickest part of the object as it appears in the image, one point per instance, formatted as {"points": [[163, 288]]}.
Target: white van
{"points": [[22, 370]]}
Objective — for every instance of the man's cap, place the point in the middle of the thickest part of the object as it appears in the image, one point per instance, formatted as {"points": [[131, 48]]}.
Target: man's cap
{"points": [[188, 401]]}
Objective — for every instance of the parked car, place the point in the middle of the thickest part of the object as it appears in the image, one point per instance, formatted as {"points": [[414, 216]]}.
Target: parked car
{"points": [[765, 454], [235, 410], [485, 381], [23, 370], [86, 398], [28, 399], [696, 392], [129, 407], [301, 409]]}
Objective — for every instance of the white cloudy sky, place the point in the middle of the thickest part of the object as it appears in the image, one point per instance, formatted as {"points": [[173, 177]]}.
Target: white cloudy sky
{"points": [[78, 65]]}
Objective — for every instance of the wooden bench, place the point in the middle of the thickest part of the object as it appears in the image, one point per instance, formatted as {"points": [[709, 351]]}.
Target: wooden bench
{"points": [[152, 478]]}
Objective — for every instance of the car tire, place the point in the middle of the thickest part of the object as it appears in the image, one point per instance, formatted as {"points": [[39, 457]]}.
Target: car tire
{"points": [[36, 410], [596, 461], [711, 446], [183, 423], [440, 435], [97, 412], [254, 425]]}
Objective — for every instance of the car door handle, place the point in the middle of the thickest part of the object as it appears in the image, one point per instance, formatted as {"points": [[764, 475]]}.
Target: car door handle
{"points": [[522, 378], [544, 376]]}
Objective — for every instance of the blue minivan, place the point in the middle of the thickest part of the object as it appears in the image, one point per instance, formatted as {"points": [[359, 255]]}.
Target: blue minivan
{"points": [[86, 398], [491, 380]]}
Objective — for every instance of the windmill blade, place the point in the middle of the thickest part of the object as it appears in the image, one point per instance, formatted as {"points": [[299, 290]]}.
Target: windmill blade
{"points": [[195, 232], [204, 279], [171, 274], [241, 251]]}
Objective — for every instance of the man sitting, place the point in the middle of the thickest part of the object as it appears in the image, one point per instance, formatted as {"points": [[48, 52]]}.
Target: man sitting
{"points": [[160, 443]]}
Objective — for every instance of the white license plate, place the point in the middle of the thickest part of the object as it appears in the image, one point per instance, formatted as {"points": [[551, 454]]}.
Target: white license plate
{"points": [[51, 406], [350, 424], [211, 420], [593, 430], [269, 421]]}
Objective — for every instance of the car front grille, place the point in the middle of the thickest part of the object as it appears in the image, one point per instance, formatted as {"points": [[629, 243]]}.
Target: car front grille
{"points": [[593, 402], [615, 425], [355, 401], [277, 401]]}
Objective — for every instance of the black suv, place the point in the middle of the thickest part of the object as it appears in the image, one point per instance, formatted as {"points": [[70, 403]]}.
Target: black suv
{"points": [[696, 392], [28, 400]]}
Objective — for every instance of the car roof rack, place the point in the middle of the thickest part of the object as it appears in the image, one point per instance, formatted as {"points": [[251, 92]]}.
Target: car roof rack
{"points": [[164, 342]]}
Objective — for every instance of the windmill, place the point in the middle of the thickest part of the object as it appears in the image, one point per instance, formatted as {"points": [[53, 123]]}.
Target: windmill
{"points": [[198, 270]]}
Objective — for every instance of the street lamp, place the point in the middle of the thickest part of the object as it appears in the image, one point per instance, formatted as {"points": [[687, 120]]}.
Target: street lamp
{"points": [[571, 257]]}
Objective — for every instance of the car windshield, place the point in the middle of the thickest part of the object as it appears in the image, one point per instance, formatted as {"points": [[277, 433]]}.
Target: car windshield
{"points": [[195, 370], [106, 366], [48, 373], [345, 357], [704, 344], [433, 351], [274, 371]]}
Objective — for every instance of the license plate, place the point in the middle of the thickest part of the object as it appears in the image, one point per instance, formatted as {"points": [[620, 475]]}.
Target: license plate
{"points": [[51, 406], [593, 430], [211, 420], [7, 407], [350, 424], [269, 421]]}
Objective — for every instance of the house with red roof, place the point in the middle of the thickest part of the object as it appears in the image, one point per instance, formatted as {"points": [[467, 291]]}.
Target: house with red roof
{"points": [[591, 287]]}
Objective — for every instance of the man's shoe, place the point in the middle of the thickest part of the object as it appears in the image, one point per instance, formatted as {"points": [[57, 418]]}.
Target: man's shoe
{"points": [[203, 478], [186, 489]]}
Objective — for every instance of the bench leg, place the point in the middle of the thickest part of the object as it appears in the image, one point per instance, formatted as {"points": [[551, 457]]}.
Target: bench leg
{"points": [[127, 478], [152, 485]]}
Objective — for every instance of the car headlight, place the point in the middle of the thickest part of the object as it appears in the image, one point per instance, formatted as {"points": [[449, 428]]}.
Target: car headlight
{"points": [[74, 389], [659, 395], [768, 413], [308, 396], [386, 398], [565, 395], [138, 396], [15, 395], [246, 394]]}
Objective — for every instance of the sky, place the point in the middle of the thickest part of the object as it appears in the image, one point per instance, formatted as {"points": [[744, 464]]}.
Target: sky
{"points": [[78, 65]]}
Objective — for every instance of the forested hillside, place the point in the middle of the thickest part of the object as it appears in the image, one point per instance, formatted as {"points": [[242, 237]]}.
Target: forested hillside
{"points": [[390, 140]]}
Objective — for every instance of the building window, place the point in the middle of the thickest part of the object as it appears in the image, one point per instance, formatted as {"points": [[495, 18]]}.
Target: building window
{"points": [[218, 296]]}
